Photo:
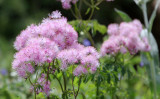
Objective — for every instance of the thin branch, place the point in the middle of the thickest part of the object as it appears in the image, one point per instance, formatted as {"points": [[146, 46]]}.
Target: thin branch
{"points": [[153, 15], [73, 14], [79, 85], [88, 4], [64, 81], [30, 81], [59, 82], [48, 77], [144, 9], [33, 87], [98, 3], [73, 87]]}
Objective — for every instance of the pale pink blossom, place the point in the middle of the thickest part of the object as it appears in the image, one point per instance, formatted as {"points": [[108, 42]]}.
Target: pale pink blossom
{"points": [[79, 70], [113, 29], [125, 37], [55, 14]]}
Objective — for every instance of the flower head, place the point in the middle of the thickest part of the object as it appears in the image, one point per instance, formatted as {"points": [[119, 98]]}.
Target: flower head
{"points": [[55, 15], [125, 37], [84, 59]]}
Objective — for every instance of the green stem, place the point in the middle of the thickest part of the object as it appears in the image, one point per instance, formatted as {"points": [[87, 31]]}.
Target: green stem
{"points": [[73, 14], [33, 87], [78, 12], [80, 5], [90, 38], [92, 11], [64, 79], [48, 77], [153, 16], [144, 9], [88, 4], [73, 87], [97, 91], [79, 85], [97, 85], [65, 85], [153, 73], [35, 95], [59, 83], [31, 82], [98, 3]]}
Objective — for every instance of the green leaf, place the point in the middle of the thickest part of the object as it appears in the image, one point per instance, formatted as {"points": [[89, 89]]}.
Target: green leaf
{"points": [[93, 25], [88, 10], [97, 8], [123, 15], [98, 27]]}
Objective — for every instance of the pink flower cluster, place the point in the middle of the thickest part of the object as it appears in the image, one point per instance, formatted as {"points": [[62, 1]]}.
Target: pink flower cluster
{"points": [[38, 50], [66, 4], [84, 59], [125, 37], [57, 30], [40, 44]]}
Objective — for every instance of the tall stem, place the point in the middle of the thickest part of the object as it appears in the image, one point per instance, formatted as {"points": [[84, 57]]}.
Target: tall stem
{"points": [[34, 95], [153, 73], [97, 91], [98, 3], [153, 16], [144, 9], [79, 86], [64, 80], [59, 83], [65, 85], [92, 11], [90, 38], [48, 77], [73, 87], [33, 87]]}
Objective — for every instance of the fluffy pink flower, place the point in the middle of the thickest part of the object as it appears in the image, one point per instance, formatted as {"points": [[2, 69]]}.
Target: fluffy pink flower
{"points": [[37, 51], [86, 51], [57, 30], [124, 37], [113, 29], [23, 37], [55, 14], [76, 46], [67, 3], [90, 62], [68, 56], [79, 70], [111, 46], [86, 57]]}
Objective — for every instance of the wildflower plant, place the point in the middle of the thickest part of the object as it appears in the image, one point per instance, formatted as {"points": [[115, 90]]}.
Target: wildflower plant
{"points": [[51, 50]]}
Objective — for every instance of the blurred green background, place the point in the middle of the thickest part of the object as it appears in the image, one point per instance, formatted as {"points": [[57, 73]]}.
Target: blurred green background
{"points": [[16, 15]]}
